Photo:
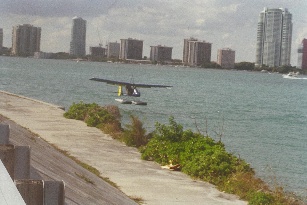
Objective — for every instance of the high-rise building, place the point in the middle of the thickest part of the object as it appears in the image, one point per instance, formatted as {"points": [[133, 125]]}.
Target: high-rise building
{"points": [[226, 58], [78, 37], [186, 48], [113, 50], [97, 51], [1, 39], [274, 36], [131, 49], [196, 53], [25, 40], [160, 53], [302, 55]]}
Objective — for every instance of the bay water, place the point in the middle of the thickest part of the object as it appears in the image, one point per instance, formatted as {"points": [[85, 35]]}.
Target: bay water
{"points": [[261, 117]]}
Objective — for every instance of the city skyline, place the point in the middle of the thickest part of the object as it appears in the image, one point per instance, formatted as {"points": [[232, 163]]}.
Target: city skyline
{"points": [[224, 24]]}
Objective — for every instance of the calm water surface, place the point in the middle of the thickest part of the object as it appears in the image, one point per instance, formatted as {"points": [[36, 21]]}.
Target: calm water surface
{"points": [[262, 117]]}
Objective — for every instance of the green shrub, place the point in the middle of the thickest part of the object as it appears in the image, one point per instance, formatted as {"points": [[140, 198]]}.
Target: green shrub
{"points": [[97, 115], [92, 114], [199, 156], [77, 111], [212, 164], [261, 198]]}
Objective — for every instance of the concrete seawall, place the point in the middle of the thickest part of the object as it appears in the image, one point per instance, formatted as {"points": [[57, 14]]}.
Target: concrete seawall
{"points": [[114, 160], [50, 166], [16, 162]]}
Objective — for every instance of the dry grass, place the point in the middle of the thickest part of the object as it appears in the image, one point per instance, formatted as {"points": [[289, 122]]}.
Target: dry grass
{"points": [[85, 178], [135, 134], [113, 128], [137, 199], [114, 111], [247, 186]]}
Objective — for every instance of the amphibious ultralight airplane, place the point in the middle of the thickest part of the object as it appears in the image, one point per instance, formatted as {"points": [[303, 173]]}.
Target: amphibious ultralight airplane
{"points": [[131, 90]]}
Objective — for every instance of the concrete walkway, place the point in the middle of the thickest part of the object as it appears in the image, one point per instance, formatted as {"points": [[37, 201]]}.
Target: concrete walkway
{"points": [[114, 160]]}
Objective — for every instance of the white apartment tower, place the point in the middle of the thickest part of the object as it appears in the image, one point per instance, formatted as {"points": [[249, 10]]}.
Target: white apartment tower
{"points": [[78, 37], [25, 40], [274, 35]]}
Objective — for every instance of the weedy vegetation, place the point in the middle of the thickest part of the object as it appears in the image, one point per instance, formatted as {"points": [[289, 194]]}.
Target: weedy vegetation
{"points": [[197, 155]]}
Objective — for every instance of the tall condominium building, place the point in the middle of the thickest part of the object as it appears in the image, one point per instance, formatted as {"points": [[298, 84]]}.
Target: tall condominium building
{"points": [[78, 37], [1, 39], [302, 55], [274, 37], [131, 49], [226, 58], [196, 53], [25, 40], [113, 50], [160, 53], [186, 48], [97, 51]]}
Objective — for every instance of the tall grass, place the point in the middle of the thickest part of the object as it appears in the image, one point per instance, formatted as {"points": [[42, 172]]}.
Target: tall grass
{"points": [[135, 134]]}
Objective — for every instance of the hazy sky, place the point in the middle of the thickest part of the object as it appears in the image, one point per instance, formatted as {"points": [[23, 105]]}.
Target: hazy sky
{"points": [[224, 23]]}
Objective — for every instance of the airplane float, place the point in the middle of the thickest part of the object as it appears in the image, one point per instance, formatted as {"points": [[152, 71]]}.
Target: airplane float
{"points": [[131, 90]]}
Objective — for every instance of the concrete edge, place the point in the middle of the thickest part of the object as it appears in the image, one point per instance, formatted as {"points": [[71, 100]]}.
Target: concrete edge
{"points": [[34, 100]]}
